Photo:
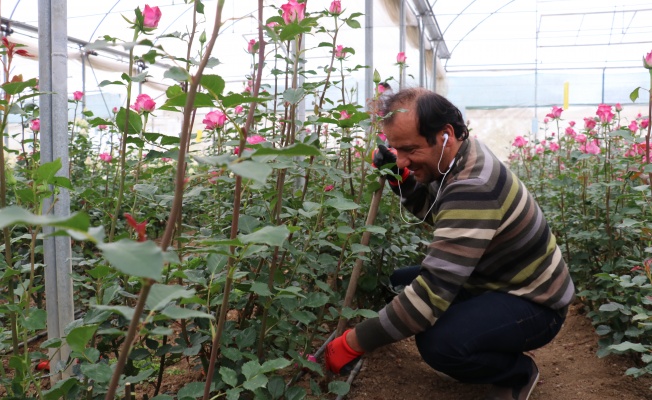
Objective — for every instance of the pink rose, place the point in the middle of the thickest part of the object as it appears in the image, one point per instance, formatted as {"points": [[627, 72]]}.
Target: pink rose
{"points": [[102, 127], [553, 146], [35, 125], [581, 138], [519, 141], [238, 109], [644, 123], [619, 108], [151, 15], [115, 110], [272, 25], [335, 8], [604, 113], [344, 115], [400, 57], [328, 188], [382, 137], [214, 119], [546, 120], [251, 46], [633, 126], [144, 103], [647, 60], [591, 147], [255, 139], [78, 95], [339, 52], [106, 157], [381, 88], [570, 132], [589, 123], [571, 123], [293, 11], [555, 113]]}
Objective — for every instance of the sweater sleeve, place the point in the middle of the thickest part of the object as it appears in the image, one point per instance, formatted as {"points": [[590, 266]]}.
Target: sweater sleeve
{"points": [[462, 232]]}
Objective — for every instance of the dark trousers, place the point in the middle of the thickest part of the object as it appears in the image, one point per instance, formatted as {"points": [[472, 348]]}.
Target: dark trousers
{"points": [[481, 339]]}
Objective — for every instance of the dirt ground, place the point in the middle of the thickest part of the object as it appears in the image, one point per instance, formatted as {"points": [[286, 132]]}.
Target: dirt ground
{"points": [[570, 370]]}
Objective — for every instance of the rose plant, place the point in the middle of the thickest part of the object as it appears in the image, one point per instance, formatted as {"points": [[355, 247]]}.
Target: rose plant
{"points": [[236, 254]]}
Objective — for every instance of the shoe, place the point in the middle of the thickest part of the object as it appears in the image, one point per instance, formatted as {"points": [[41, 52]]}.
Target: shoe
{"points": [[515, 393]]}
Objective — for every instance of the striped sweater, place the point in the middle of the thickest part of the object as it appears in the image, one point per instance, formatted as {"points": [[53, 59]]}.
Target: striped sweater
{"points": [[489, 234]]}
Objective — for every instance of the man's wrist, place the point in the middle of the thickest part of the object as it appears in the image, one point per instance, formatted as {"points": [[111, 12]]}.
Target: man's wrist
{"points": [[352, 340]]}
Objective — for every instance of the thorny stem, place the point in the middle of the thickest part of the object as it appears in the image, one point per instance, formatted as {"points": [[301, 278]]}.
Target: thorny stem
{"points": [[237, 195], [123, 147]]}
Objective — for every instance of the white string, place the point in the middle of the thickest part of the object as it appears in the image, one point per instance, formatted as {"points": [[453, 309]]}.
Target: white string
{"points": [[400, 209]]}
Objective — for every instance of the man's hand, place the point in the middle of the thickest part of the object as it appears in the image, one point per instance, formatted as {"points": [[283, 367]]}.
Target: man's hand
{"points": [[383, 156], [339, 354]]}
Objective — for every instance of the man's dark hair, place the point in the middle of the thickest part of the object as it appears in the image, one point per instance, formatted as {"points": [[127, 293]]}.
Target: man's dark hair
{"points": [[433, 112]]}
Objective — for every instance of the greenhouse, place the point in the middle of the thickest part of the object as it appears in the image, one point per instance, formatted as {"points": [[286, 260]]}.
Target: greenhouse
{"points": [[302, 199]]}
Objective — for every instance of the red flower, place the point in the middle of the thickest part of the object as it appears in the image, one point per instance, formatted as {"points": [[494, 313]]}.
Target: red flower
{"points": [[43, 366], [140, 228]]}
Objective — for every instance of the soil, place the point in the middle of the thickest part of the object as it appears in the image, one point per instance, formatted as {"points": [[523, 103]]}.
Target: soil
{"points": [[569, 367]]}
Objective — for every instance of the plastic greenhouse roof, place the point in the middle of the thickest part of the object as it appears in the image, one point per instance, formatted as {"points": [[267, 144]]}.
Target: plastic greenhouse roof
{"points": [[487, 34]]}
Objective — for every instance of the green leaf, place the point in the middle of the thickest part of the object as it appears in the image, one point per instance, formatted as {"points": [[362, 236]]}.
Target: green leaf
{"points": [[276, 386], [52, 343], [177, 73], [634, 95], [60, 389], [339, 388], [135, 124], [352, 23], [142, 259], [80, 336], [295, 150], [125, 311], [256, 382], [161, 295], [193, 390], [261, 289], [629, 346], [214, 84], [251, 369], [294, 96], [100, 372], [269, 235], [611, 307], [35, 320], [233, 394], [229, 376], [46, 172], [17, 215], [201, 100], [13, 88], [275, 364], [295, 393], [175, 312], [341, 204], [251, 170]]}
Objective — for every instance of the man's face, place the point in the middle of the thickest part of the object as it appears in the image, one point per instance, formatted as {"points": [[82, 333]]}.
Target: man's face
{"points": [[413, 150]]}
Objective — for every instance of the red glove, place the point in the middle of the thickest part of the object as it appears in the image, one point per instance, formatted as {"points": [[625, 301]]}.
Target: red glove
{"points": [[339, 354]]}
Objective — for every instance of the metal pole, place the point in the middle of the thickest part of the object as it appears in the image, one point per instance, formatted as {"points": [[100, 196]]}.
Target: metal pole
{"points": [[53, 80], [435, 47], [422, 53], [369, 49], [401, 45]]}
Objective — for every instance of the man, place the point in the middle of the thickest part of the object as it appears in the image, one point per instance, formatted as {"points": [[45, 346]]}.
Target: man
{"points": [[493, 284]]}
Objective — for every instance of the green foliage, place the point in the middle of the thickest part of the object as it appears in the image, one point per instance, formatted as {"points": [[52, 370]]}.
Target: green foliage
{"points": [[593, 186]]}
